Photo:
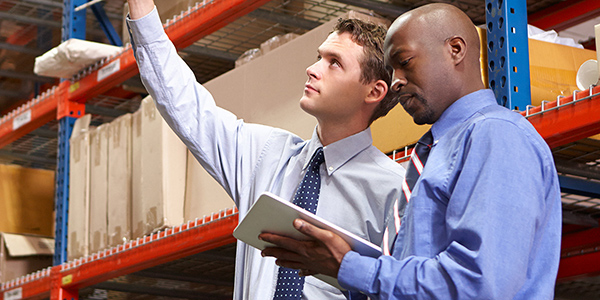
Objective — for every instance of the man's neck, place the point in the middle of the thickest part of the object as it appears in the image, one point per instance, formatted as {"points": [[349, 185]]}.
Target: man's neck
{"points": [[331, 133]]}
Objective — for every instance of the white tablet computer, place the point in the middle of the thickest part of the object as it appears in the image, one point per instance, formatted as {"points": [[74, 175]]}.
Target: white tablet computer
{"points": [[272, 214]]}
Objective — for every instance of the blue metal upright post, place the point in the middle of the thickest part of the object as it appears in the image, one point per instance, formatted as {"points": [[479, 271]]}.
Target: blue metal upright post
{"points": [[508, 52], [73, 27], [62, 190], [73, 21]]}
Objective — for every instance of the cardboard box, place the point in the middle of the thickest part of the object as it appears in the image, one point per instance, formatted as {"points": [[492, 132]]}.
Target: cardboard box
{"points": [[137, 209], [23, 254], [79, 194], [119, 180], [163, 171], [553, 69], [98, 188], [26, 200], [203, 195]]}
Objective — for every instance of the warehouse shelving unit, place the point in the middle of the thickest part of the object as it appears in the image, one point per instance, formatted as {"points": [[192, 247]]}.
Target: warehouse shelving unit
{"points": [[565, 124]]}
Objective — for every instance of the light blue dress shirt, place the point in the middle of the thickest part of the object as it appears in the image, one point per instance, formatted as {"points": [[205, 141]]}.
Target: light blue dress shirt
{"points": [[359, 184], [484, 219]]}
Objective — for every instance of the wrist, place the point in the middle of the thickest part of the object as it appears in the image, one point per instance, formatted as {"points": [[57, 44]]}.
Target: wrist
{"points": [[139, 8]]}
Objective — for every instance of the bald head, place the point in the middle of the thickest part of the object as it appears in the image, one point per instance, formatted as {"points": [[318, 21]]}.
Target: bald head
{"points": [[434, 52], [437, 22]]}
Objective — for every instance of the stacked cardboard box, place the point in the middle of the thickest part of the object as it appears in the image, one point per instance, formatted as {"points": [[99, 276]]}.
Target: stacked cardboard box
{"points": [[163, 170], [26, 200], [23, 254], [79, 195], [119, 180], [98, 235]]}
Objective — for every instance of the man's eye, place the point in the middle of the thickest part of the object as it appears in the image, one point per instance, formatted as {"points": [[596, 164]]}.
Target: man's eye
{"points": [[404, 62], [335, 62]]}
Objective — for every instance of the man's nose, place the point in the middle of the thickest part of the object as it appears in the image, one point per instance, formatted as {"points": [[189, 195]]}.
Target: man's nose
{"points": [[398, 81], [312, 71]]}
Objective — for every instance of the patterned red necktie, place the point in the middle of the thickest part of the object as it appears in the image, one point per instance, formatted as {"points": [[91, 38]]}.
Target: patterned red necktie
{"points": [[415, 167]]}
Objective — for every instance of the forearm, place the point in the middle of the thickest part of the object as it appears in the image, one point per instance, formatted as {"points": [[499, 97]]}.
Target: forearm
{"points": [[139, 8]]}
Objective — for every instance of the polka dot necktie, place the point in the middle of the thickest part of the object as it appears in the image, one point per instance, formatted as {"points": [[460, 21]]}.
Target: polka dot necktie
{"points": [[417, 162], [289, 283]]}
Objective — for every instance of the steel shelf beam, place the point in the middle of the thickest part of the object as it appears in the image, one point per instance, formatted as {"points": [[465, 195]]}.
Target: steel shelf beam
{"points": [[161, 247], [580, 255], [565, 121], [565, 14], [31, 115], [579, 186], [32, 287]]}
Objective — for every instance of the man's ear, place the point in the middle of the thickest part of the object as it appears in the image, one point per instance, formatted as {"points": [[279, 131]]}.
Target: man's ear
{"points": [[378, 90], [458, 49]]}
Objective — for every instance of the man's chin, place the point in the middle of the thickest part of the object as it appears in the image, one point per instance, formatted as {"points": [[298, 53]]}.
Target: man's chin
{"points": [[305, 105]]}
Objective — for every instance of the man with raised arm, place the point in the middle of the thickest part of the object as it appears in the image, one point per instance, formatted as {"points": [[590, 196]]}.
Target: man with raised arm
{"points": [[345, 91]]}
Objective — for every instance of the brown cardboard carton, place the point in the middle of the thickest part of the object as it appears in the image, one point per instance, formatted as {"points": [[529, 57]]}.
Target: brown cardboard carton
{"points": [[163, 171], [79, 194], [203, 195], [553, 69], [119, 180], [98, 188], [26, 200], [137, 209], [23, 254]]}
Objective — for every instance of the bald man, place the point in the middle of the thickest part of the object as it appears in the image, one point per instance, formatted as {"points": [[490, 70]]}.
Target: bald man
{"points": [[483, 220]]}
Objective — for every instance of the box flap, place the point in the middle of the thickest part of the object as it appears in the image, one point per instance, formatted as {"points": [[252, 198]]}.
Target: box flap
{"points": [[25, 245]]}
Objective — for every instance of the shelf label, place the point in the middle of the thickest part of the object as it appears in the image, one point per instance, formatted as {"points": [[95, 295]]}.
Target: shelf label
{"points": [[109, 69], [22, 119], [15, 294], [73, 87], [67, 279]]}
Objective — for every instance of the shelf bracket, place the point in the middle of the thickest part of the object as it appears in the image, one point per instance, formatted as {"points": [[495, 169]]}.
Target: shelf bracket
{"points": [[107, 27]]}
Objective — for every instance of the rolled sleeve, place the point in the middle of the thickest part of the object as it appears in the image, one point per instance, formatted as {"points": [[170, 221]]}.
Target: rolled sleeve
{"points": [[146, 29]]}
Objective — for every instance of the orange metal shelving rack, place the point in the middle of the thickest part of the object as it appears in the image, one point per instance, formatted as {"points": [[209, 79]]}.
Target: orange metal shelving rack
{"points": [[64, 281]]}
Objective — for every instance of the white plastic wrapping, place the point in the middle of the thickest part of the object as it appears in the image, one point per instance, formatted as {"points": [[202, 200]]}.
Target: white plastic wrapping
{"points": [[71, 56]]}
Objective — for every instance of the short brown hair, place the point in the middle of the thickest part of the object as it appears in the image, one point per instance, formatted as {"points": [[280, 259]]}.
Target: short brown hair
{"points": [[371, 37]]}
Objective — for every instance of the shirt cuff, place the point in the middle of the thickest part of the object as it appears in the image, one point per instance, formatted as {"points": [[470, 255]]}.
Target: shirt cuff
{"points": [[146, 29], [357, 272]]}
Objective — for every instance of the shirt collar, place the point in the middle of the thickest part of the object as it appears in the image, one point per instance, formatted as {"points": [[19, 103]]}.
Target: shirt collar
{"points": [[461, 110], [338, 153]]}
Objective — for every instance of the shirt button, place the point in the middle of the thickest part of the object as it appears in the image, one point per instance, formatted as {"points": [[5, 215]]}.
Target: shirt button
{"points": [[330, 168]]}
